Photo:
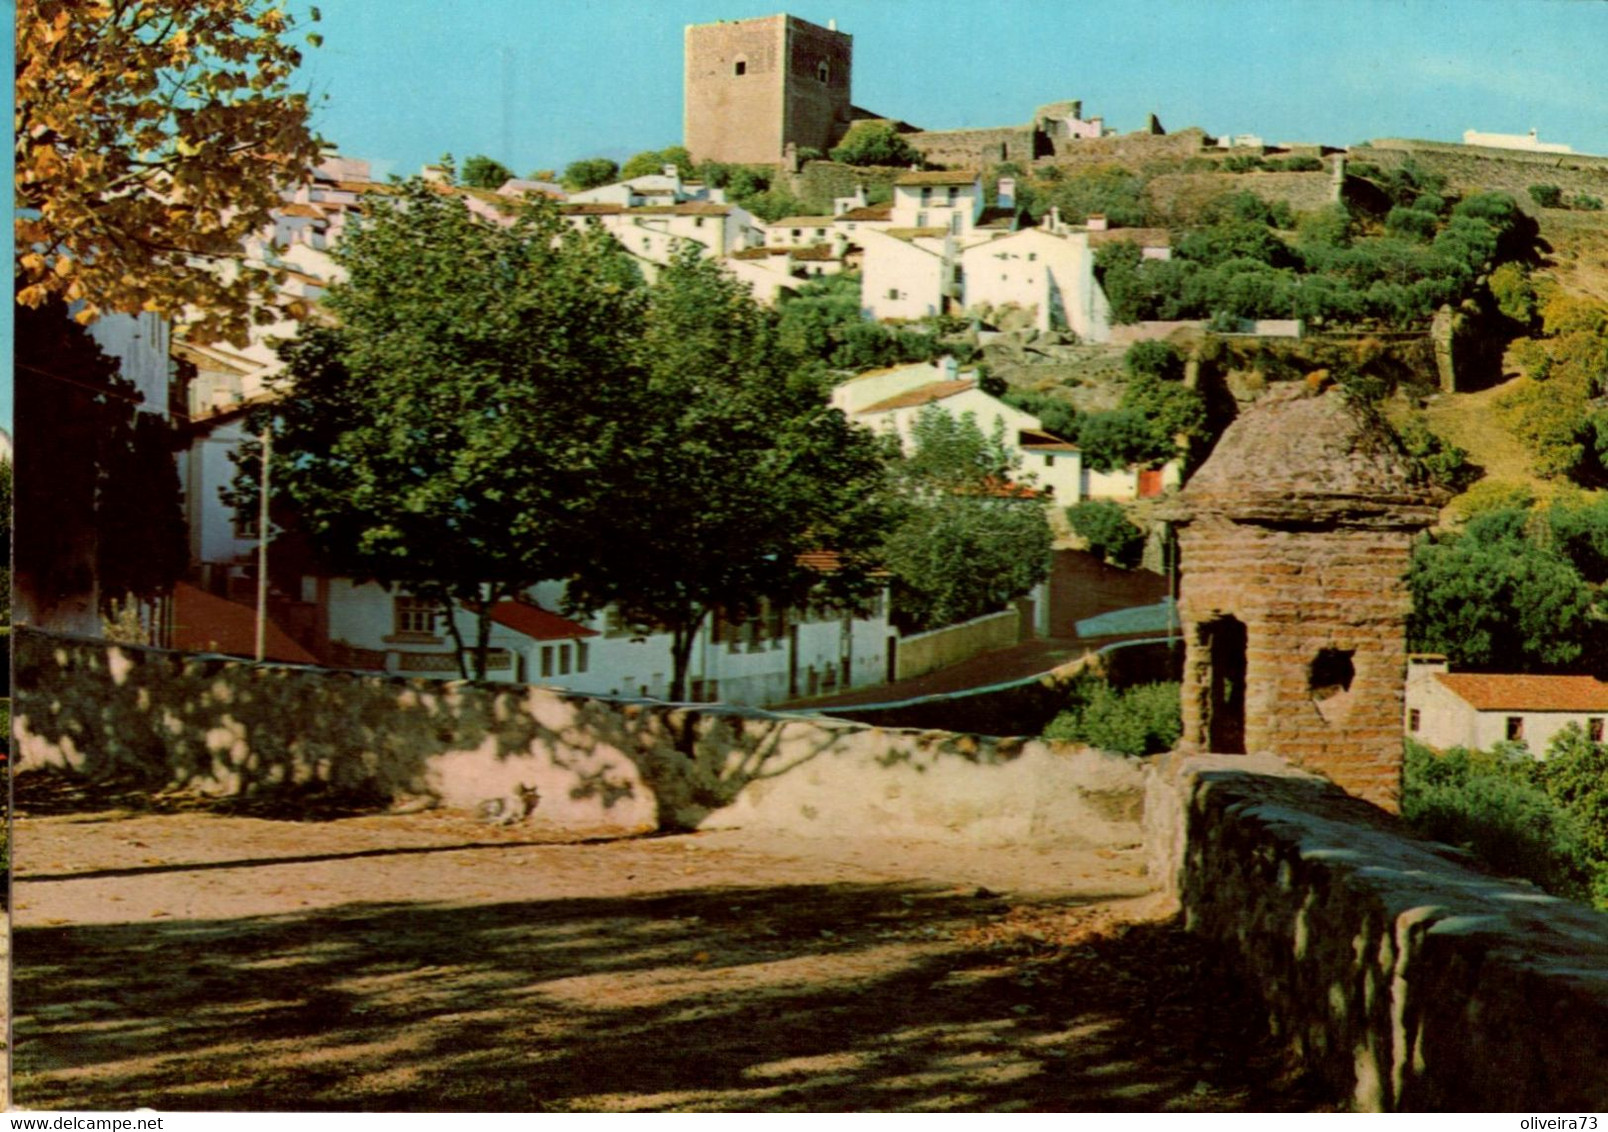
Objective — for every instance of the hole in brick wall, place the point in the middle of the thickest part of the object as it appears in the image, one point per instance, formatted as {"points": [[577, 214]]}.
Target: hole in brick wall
{"points": [[1331, 673]]}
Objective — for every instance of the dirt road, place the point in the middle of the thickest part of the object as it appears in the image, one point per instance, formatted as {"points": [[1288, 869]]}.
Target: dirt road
{"points": [[194, 961]]}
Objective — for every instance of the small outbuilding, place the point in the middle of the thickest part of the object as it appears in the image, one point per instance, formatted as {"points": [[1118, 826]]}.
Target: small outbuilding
{"points": [[1293, 541]]}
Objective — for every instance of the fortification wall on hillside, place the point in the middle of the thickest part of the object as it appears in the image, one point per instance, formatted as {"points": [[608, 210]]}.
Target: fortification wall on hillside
{"points": [[1178, 197]]}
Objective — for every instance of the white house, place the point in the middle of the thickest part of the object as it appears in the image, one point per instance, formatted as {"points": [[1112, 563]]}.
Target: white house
{"points": [[799, 231], [663, 187], [891, 399], [1478, 710], [1049, 273], [1529, 142], [950, 200], [906, 273], [651, 233], [768, 659]]}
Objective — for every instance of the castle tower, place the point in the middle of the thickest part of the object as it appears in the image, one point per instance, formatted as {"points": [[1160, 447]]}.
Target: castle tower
{"points": [[1293, 548], [754, 87]]}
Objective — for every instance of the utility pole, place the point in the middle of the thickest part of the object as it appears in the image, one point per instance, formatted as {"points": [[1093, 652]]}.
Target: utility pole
{"points": [[262, 543]]}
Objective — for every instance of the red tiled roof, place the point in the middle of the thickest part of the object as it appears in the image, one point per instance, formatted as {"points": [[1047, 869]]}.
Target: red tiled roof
{"points": [[1486, 692], [305, 211], [686, 208], [589, 209], [801, 222], [537, 623], [203, 622], [938, 177], [870, 212], [924, 395], [362, 187], [1036, 441], [915, 233], [814, 251], [1144, 237]]}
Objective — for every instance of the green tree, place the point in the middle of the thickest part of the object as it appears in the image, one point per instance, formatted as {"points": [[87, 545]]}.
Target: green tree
{"points": [[1154, 359], [1493, 595], [875, 143], [97, 489], [447, 435], [968, 541], [589, 173], [152, 139], [1105, 526], [737, 468], [1575, 774], [1143, 720], [481, 172], [653, 161]]}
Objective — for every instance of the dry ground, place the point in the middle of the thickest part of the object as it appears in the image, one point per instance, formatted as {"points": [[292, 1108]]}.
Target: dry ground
{"points": [[188, 960]]}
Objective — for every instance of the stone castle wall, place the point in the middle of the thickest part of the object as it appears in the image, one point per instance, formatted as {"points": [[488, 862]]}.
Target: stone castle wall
{"points": [[975, 149], [1177, 198], [1394, 972], [1298, 593]]}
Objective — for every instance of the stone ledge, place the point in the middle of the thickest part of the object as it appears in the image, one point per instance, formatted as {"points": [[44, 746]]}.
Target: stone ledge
{"points": [[1393, 968]]}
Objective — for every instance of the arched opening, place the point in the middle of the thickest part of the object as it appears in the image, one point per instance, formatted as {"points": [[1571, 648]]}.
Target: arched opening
{"points": [[740, 68], [1225, 719], [823, 71]]}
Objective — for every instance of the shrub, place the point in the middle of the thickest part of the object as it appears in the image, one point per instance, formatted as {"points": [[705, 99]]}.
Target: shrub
{"points": [[1105, 526], [1586, 203], [1489, 805], [1547, 196], [875, 143], [1155, 359], [1143, 720]]}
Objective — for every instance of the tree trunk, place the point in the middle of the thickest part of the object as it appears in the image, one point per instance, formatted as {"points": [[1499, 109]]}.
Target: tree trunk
{"points": [[681, 639], [458, 651]]}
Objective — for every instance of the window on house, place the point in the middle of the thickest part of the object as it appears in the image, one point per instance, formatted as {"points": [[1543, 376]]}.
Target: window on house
{"points": [[581, 656], [1049, 461], [797, 232], [413, 615], [921, 220], [1515, 728], [1032, 257], [893, 292], [1414, 718], [741, 68], [245, 523], [954, 224], [926, 196], [954, 195], [1594, 729], [563, 660], [547, 660]]}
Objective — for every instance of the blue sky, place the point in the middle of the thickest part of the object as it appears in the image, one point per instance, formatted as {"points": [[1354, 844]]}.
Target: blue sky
{"points": [[540, 83]]}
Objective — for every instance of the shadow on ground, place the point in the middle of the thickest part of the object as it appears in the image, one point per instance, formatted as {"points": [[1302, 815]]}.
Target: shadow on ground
{"points": [[803, 997]]}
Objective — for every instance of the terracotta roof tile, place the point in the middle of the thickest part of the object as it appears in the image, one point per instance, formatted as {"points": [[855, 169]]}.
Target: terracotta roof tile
{"points": [[814, 252], [869, 213], [203, 622], [924, 395], [304, 211], [1144, 237], [587, 209], [1485, 692], [916, 233], [537, 623], [938, 177], [801, 222]]}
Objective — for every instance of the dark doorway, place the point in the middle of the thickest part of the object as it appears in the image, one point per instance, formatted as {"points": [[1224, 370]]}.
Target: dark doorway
{"points": [[1225, 722]]}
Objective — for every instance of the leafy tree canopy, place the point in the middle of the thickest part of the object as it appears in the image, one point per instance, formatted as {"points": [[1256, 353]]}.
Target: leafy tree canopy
{"points": [[966, 543], [653, 161], [875, 143], [446, 435], [590, 173], [481, 172], [1105, 526], [152, 140]]}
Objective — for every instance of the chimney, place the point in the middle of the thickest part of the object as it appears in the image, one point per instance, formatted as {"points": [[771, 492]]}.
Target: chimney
{"points": [[1007, 192], [949, 367], [1097, 222], [831, 25]]}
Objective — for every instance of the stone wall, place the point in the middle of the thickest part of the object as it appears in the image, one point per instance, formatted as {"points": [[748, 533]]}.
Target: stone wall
{"points": [[565, 764], [1177, 198], [975, 149], [921, 653], [1394, 970]]}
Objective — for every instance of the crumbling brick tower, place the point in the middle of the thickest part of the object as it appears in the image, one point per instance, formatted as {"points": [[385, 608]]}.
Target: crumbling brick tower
{"points": [[754, 87], [1293, 545]]}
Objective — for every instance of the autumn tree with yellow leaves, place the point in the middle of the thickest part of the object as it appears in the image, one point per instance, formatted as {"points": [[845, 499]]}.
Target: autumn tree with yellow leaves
{"points": [[153, 137]]}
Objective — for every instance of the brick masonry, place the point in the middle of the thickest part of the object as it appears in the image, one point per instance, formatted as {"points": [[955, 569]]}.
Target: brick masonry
{"points": [[1297, 532], [794, 88]]}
